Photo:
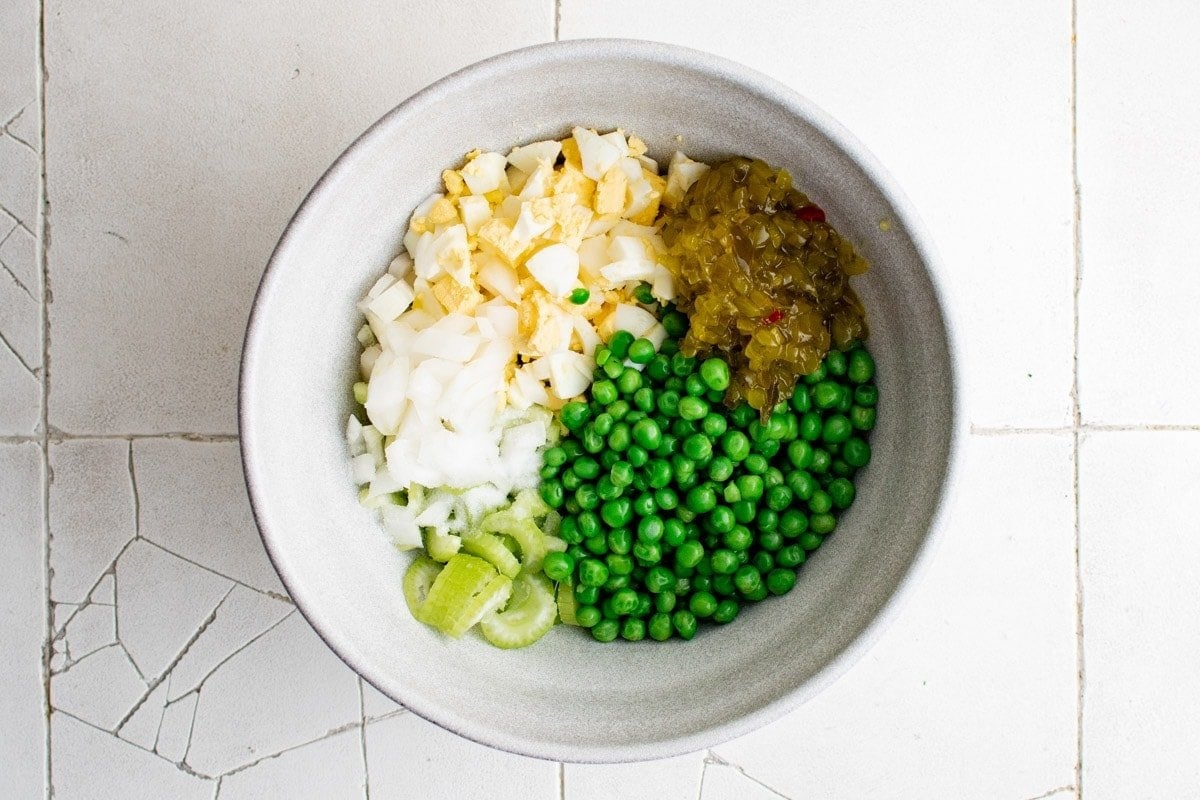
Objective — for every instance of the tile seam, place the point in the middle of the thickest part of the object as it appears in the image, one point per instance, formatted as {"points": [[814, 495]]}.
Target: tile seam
{"points": [[1076, 406]]}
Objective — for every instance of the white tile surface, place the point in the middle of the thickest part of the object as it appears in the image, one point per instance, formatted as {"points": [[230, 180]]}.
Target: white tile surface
{"points": [[175, 731], [331, 769], [91, 514], [88, 764], [1139, 119], [409, 757], [723, 782], [22, 620], [1141, 587], [173, 173], [968, 106], [283, 690], [668, 779], [375, 704], [988, 635], [100, 689], [193, 502], [142, 727]]}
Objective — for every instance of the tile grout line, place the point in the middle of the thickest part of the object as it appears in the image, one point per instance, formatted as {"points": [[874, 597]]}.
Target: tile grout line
{"points": [[1076, 412], [43, 260], [557, 18]]}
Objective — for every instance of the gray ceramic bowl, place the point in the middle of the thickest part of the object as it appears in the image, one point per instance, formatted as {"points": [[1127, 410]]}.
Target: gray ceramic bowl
{"points": [[568, 697]]}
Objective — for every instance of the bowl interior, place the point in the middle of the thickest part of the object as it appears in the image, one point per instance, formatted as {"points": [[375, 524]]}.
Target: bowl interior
{"points": [[568, 697]]}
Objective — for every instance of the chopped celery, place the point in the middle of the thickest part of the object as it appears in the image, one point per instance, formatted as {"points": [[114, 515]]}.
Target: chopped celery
{"points": [[441, 546], [523, 530], [489, 547], [567, 604], [474, 608], [454, 589], [360, 393], [530, 613], [417, 581], [366, 336]]}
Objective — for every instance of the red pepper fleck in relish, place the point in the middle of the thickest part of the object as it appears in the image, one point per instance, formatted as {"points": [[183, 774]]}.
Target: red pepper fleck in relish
{"points": [[810, 214], [774, 317]]}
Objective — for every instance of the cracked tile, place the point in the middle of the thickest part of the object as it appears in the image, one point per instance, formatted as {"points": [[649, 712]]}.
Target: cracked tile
{"points": [[162, 604], [376, 704], [285, 689], [259, 102], [105, 591], [20, 396], [95, 626], [24, 126], [61, 613], [20, 319], [667, 779], [142, 728], [22, 618], [1139, 557], [331, 769], [18, 57], [18, 256], [193, 502], [87, 764], [242, 616], [175, 730], [409, 757], [91, 514], [100, 689], [722, 782], [989, 633], [19, 169]]}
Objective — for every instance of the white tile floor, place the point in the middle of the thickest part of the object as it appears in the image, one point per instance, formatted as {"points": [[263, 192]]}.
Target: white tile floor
{"points": [[150, 154]]}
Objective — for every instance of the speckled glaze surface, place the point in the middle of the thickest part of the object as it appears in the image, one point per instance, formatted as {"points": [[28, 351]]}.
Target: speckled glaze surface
{"points": [[569, 698]]}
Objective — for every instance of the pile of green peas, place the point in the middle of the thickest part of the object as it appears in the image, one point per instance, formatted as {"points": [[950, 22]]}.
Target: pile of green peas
{"points": [[677, 509]]}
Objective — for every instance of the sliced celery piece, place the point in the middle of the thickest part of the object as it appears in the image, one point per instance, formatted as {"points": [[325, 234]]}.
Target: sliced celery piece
{"points": [[529, 614], [417, 581], [489, 547], [567, 604], [441, 546], [458, 583]]}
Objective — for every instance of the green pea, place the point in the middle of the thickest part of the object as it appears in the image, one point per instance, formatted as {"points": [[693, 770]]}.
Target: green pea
{"points": [[554, 457], [821, 462], [724, 562], [758, 431], [659, 579], [587, 497], [860, 367], [670, 444], [763, 561], [694, 386], [820, 502], [823, 524], [613, 369], [861, 418], [702, 583], [643, 294], [721, 519], [606, 630], [641, 351], [586, 595], [624, 601], [605, 392], [817, 375], [747, 579], [659, 626], [720, 469], [772, 477], [779, 498], [659, 368], [756, 464], [697, 447], [668, 403], [766, 520], [777, 427], [629, 381], [558, 566], [647, 434], [675, 323], [810, 426], [644, 605], [702, 604], [602, 355], [580, 296], [618, 410], [636, 456], [568, 530], [666, 499], [715, 373], [727, 611], [619, 564], [723, 585], [681, 365], [617, 513], [790, 557], [574, 415], [800, 453], [587, 616], [674, 533], [743, 512], [674, 384], [866, 396], [714, 425], [633, 630], [650, 528], [780, 581], [586, 467], [811, 541], [731, 493], [686, 482], [701, 499], [682, 428], [665, 601], [793, 523], [835, 362], [589, 524], [619, 541], [736, 445], [620, 439], [689, 553], [644, 505], [647, 552], [619, 344], [739, 538], [552, 493], [570, 506], [592, 572], [750, 486], [692, 408], [657, 473], [684, 622], [771, 540], [841, 491]]}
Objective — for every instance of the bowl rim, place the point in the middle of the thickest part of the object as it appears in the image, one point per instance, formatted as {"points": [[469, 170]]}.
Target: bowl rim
{"points": [[755, 82]]}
